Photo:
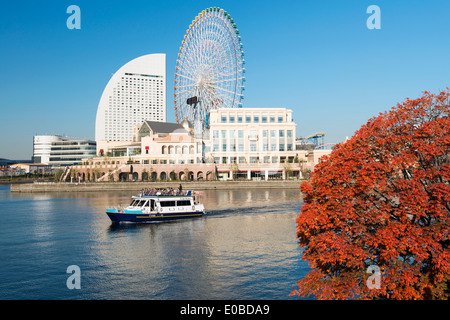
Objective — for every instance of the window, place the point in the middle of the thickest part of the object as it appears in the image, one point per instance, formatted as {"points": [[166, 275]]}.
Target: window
{"points": [[224, 119], [256, 119], [216, 134], [239, 119], [281, 133], [252, 146], [215, 147], [273, 147], [224, 147], [183, 203], [240, 134], [167, 203], [272, 119], [224, 134], [289, 133], [281, 146], [280, 119], [264, 119], [248, 119], [231, 119], [289, 147], [241, 147]]}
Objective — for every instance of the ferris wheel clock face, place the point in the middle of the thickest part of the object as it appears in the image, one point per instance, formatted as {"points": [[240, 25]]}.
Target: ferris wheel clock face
{"points": [[210, 70]]}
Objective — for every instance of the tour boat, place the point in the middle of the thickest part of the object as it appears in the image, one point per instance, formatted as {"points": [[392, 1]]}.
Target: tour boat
{"points": [[159, 205]]}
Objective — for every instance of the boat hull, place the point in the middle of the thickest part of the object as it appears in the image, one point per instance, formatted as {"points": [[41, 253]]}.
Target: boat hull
{"points": [[116, 216]]}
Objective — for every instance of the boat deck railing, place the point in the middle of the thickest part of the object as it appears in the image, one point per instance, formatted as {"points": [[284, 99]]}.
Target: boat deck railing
{"points": [[165, 192]]}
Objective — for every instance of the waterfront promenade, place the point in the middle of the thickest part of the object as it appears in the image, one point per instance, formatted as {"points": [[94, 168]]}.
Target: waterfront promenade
{"points": [[137, 186]]}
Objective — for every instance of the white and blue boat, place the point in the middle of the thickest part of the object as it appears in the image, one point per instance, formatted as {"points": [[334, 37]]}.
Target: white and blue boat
{"points": [[158, 206]]}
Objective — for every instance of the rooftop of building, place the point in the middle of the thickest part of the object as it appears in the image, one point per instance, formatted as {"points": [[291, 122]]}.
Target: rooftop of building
{"points": [[29, 164], [165, 127], [262, 109]]}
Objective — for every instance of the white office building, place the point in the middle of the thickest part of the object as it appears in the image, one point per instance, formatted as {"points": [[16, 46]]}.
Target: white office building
{"points": [[135, 93], [252, 135], [57, 150]]}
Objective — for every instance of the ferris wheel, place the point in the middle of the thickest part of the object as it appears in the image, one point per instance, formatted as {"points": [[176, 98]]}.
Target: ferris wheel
{"points": [[210, 70]]}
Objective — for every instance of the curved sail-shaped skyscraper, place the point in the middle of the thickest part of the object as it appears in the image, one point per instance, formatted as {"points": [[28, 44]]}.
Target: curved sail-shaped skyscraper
{"points": [[136, 92]]}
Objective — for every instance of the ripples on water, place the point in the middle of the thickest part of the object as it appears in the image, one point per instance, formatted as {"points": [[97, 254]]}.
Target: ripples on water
{"points": [[244, 248]]}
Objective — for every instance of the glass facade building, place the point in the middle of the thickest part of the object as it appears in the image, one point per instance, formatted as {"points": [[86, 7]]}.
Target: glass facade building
{"points": [[57, 150]]}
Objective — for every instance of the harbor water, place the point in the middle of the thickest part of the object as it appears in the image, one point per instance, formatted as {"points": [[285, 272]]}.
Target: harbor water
{"points": [[244, 248]]}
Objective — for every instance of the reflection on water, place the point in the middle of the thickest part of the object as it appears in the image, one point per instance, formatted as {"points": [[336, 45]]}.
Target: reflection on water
{"points": [[244, 248]]}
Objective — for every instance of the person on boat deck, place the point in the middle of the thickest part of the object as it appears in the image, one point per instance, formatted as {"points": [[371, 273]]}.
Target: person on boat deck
{"points": [[180, 188]]}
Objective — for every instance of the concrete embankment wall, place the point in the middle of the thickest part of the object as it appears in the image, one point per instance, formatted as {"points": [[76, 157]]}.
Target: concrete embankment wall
{"points": [[136, 186]]}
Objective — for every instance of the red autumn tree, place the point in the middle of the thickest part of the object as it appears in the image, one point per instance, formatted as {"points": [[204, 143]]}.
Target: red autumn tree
{"points": [[382, 199]]}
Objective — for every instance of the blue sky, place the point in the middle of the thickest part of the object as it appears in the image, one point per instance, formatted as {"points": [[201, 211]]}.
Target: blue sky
{"points": [[315, 57]]}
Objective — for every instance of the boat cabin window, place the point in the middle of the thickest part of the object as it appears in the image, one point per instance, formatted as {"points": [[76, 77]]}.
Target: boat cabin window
{"points": [[175, 203], [142, 203], [138, 203], [183, 202], [151, 204], [167, 203]]}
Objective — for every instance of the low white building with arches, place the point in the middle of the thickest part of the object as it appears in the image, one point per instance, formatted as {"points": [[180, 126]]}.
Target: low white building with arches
{"points": [[157, 143], [247, 144]]}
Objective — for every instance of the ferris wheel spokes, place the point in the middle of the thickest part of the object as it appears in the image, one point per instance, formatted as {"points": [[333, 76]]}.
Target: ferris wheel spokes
{"points": [[210, 66]]}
